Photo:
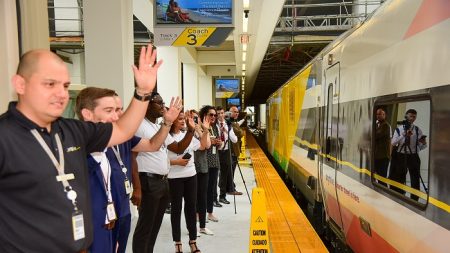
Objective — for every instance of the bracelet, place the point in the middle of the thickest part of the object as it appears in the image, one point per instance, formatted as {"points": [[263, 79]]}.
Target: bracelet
{"points": [[143, 98], [166, 124]]}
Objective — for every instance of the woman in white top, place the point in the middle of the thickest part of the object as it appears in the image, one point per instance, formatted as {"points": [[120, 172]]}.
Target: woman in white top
{"points": [[183, 181]]}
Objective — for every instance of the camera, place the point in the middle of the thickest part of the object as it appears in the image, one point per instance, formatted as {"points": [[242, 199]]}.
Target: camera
{"points": [[227, 116], [196, 120], [405, 123]]}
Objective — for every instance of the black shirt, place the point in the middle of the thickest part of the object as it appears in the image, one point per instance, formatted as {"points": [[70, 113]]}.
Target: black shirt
{"points": [[35, 214]]}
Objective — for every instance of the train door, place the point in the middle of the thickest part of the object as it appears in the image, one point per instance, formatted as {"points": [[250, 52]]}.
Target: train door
{"points": [[330, 146]]}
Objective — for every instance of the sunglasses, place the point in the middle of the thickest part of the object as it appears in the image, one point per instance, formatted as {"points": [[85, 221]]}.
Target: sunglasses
{"points": [[212, 115]]}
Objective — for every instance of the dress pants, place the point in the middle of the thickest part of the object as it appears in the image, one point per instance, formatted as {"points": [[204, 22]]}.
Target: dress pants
{"points": [[155, 197], [381, 166], [120, 233], [202, 192], [212, 189], [225, 176]]}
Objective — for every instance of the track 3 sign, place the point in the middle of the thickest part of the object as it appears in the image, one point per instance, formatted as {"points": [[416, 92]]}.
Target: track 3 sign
{"points": [[191, 36]]}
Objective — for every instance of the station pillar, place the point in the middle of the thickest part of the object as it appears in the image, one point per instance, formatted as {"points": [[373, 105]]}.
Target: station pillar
{"points": [[169, 74], [190, 86], [109, 45], [205, 90]]}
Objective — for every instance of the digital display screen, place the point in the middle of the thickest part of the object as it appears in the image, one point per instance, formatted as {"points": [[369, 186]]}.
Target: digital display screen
{"points": [[235, 102], [227, 88], [194, 12]]}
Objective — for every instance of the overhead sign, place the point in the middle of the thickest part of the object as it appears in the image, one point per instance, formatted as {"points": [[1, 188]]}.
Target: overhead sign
{"points": [[191, 36], [259, 233]]}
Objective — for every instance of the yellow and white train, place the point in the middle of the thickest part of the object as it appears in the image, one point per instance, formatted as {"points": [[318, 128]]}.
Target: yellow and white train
{"points": [[321, 123]]}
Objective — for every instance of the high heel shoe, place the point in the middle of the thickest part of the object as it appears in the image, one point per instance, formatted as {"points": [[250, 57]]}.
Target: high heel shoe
{"points": [[179, 247], [194, 248]]}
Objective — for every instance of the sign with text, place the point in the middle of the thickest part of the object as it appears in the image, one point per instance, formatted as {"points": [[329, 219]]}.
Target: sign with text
{"points": [[191, 36], [259, 234]]}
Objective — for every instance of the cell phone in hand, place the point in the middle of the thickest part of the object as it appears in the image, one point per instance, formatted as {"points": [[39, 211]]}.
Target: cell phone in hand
{"points": [[423, 137], [187, 156], [196, 120]]}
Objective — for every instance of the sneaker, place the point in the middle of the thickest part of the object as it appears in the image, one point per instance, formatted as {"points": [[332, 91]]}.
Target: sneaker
{"points": [[234, 193], [217, 204], [224, 200], [206, 231]]}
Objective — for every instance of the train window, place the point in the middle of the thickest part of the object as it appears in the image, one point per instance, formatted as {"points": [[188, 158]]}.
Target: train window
{"points": [[400, 149]]}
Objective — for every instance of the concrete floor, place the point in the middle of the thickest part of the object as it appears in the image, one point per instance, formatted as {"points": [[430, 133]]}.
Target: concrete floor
{"points": [[231, 233]]}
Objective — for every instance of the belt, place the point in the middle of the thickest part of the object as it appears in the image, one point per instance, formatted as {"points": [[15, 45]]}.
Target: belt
{"points": [[153, 175]]}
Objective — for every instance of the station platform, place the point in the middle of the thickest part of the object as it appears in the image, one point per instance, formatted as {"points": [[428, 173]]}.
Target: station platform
{"points": [[231, 233], [289, 229]]}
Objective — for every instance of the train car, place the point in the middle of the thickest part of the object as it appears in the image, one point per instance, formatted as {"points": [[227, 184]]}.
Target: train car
{"points": [[321, 130]]}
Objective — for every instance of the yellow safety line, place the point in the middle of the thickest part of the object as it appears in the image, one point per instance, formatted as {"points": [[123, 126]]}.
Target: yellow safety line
{"points": [[431, 200]]}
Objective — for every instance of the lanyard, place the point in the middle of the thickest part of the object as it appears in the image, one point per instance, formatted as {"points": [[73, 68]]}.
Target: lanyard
{"points": [[124, 169], [106, 177], [59, 166]]}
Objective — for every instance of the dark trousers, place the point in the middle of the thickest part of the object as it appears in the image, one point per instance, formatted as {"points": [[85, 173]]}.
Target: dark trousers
{"points": [[212, 188], [120, 233], [225, 176], [403, 164], [381, 166], [202, 189], [155, 197], [185, 187]]}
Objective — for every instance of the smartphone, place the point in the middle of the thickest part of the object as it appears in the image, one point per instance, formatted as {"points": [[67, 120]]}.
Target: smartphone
{"points": [[187, 156], [196, 120]]}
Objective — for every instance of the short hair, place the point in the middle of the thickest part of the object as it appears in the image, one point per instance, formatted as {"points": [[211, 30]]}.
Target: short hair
{"points": [[193, 111], [234, 106], [87, 99], [29, 61], [218, 108], [411, 111]]}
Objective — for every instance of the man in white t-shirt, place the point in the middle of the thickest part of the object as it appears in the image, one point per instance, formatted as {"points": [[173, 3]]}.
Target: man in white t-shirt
{"points": [[153, 170]]}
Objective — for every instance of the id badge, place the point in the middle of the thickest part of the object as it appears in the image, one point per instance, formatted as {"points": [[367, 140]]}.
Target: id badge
{"points": [[78, 225], [111, 212], [127, 186], [214, 150]]}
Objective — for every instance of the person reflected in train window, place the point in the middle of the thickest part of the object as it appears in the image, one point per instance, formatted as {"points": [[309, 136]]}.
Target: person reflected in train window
{"points": [[382, 153], [409, 140]]}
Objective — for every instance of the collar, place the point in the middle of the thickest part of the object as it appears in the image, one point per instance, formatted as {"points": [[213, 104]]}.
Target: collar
{"points": [[27, 123]]}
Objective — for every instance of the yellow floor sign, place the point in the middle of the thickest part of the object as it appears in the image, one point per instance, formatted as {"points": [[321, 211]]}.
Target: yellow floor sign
{"points": [[259, 234]]}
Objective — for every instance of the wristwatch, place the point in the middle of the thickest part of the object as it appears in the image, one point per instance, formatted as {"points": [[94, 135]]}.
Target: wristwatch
{"points": [[143, 98], [164, 123]]}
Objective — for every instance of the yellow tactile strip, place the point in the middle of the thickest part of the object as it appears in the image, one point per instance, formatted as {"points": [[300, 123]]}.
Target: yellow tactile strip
{"points": [[289, 229]]}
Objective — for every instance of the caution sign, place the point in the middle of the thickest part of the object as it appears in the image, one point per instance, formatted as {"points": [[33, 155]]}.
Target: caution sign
{"points": [[259, 234], [191, 36]]}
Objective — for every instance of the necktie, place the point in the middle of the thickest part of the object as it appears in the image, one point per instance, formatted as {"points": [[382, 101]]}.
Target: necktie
{"points": [[222, 135]]}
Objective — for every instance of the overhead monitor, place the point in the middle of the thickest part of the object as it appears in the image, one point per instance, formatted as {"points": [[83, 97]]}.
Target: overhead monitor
{"points": [[193, 12], [227, 87], [234, 101]]}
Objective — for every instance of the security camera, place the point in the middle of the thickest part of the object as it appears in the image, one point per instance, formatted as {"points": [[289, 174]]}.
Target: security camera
{"points": [[246, 13]]}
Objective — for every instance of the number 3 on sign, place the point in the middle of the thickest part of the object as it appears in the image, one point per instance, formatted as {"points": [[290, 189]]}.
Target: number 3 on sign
{"points": [[193, 40]]}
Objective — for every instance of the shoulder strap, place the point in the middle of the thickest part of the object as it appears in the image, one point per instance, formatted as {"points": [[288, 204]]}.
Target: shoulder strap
{"points": [[398, 131]]}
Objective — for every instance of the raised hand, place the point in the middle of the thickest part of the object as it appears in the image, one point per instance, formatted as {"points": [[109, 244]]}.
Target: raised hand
{"points": [[174, 110], [189, 120], [206, 123], [145, 74]]}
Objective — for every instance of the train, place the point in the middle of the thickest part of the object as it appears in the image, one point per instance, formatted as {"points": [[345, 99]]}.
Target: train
{"points": [[320, 130]]}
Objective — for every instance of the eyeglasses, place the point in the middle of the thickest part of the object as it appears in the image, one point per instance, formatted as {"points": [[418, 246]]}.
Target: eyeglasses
{"points": [[212, 115]]}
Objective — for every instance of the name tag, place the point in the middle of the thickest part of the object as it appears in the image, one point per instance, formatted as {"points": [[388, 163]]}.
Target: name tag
{"points": [[111, 212], [78, 225], [65, 177], [127, 187]]}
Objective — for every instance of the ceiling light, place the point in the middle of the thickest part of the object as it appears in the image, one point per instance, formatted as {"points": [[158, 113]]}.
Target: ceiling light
{"points": [[244, 56], [243, 73], [244, 25], [244, 47], [243, 66], [246, 4]]}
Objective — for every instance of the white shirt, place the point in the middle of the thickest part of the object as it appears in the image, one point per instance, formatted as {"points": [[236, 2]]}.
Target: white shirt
{"points": [[233, 136], [177, 171], [400, 140], [155, 162]]}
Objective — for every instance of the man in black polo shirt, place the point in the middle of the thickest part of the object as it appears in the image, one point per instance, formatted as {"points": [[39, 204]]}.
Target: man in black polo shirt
{"points": [[44, 201]]}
